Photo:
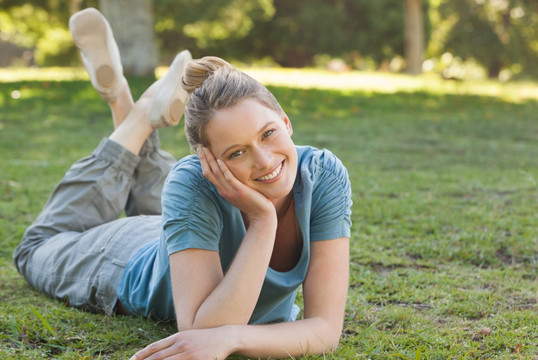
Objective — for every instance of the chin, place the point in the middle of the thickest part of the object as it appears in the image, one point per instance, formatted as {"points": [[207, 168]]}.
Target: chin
{"points": [[282, 192]]}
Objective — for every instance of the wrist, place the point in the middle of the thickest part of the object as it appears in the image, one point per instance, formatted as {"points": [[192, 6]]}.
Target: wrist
{"points": [[266, 214], [266, 222], [236, 339]]}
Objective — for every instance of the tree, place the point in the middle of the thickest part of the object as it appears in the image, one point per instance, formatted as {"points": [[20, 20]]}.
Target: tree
{"points": [[133, 26], [210, 26], [414, 36], [351, 29], [497, 34], [41, 27], [37, 31]]}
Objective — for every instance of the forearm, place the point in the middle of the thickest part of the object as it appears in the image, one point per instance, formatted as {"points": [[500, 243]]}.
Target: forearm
{"points": [[324, 294], [234, 298], [289, 339]]}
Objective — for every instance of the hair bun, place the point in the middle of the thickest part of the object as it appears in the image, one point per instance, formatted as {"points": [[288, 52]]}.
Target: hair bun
{"points": [[197, 71]]}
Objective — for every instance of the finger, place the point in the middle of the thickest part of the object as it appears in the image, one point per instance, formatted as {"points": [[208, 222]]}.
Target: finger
{"points": [[204, 164], [226, 172], [223, 180], [211, 160], [213, 173], [210, 168], [153, 348]]}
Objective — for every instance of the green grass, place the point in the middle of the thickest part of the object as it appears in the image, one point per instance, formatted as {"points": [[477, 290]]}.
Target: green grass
{"points": [[445, 217]]}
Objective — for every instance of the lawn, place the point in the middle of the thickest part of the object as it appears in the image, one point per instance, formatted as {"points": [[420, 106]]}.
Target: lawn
{"points": [[444, 246]]}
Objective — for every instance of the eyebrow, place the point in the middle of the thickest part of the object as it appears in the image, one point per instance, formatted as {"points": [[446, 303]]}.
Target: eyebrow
{"points": [[259, 131]]}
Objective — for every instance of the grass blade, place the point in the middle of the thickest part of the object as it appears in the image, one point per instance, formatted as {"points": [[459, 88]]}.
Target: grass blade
{"points": [[44, 322]]}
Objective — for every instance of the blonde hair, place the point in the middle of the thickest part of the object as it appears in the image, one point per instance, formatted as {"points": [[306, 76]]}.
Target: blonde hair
{"points": [[213, 84]]}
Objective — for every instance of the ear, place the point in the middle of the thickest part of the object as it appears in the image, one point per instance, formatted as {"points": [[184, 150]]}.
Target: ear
{"points": [[288, 124]]}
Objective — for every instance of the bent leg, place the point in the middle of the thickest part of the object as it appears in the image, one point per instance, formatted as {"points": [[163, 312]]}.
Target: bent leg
{"points": [[83, 269], [150, 174], [94, 191]]}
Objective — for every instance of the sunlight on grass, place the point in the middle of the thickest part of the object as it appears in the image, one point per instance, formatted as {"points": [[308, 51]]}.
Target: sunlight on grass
{"points": [[391, 83], [444, 247], [321, 79], [47, 74]]}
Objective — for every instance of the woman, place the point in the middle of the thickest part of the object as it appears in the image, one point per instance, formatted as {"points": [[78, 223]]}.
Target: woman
{"points": [[244, 222]]}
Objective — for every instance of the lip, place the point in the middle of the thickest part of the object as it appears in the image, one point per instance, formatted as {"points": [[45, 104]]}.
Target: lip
{"points": [[277, 176]]}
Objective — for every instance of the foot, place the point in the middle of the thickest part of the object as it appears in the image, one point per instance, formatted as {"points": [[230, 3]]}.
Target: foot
{"points": [[169, 100], [93, 36]]}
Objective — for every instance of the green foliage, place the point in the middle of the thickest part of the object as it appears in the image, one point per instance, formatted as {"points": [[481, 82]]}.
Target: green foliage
{"points": [[40, 30], [351, 29], [289, 32], [203, 25], [235, 20], [498, 34], [444, 240]]}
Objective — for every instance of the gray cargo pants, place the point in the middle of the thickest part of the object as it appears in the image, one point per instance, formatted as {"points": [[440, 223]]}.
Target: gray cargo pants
{"points": [[78, 247]]}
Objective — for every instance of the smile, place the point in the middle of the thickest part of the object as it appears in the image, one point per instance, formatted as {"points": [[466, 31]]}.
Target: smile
{"points": [[272, 175]]}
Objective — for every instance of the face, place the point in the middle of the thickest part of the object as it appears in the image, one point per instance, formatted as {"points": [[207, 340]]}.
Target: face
{"points": [[255, 143]]}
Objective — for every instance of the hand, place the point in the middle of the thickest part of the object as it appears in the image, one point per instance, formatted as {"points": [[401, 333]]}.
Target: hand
{"points": [[204, 344], [251, 202]]}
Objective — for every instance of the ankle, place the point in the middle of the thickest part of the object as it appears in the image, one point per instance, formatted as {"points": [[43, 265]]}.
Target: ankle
{"points": [[132, 135], [121, 107]]}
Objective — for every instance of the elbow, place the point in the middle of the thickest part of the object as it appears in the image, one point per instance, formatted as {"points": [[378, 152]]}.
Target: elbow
{"points": [[333, 340], [333, 336], [325, 346], [329, 339]]}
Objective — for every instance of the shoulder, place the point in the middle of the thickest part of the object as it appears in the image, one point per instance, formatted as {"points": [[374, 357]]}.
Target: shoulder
{"points": [[324, 191], [317, 164], [186, 174], [187, 168], [192, 210], [186, 186]]}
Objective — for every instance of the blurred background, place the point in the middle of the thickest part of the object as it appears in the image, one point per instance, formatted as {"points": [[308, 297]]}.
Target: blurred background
{"points": [[457, 39]]}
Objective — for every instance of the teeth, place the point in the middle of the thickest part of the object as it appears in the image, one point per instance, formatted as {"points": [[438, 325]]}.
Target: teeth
{"points": [[271, 175]]}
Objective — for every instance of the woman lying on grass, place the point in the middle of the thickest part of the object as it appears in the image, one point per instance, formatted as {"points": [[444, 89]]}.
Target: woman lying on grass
{"points": [[219, 241]]}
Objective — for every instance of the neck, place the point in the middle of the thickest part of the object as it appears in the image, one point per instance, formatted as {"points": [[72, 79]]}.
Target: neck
{"points": [[283, 205]]}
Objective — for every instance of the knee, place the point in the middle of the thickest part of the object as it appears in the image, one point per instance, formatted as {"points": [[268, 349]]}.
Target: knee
{"points": [[23, 252]]}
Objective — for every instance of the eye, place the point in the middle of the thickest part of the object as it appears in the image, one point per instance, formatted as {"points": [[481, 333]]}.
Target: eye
{"points": [[236, 154], [268, 133]]}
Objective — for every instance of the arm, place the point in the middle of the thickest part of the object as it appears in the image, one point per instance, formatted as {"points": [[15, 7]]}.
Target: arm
{"points": [[214, 299], [204, 297], [325, 289], [324, 292]]}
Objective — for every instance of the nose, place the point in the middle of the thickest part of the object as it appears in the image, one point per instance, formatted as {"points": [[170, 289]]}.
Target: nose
{"points": [[262, 159]]}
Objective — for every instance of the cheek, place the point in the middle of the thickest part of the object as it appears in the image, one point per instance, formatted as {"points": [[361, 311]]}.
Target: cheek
{"points": [[290, 146], [239, 172]]}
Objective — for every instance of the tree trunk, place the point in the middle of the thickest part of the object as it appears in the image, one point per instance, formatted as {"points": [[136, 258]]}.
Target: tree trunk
{"points": [[414, 36], [494, 69], [133, 27], [74, 6]]}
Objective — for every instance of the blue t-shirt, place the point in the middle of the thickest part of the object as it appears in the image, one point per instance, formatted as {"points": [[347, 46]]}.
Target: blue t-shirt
{"points": [[196, 216]]}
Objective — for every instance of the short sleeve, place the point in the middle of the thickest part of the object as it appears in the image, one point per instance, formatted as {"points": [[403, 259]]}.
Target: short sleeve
{"points": [[192, 213], [331, 198]]}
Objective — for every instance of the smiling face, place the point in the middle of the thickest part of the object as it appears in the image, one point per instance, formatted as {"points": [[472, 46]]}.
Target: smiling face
{"points": [[255, 143]]}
